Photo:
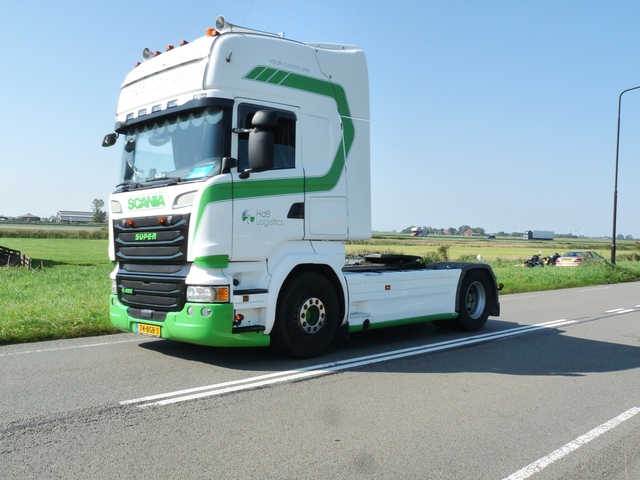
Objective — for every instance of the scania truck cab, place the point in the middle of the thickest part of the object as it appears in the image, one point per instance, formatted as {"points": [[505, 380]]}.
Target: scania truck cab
{"points": [[245, 170]]}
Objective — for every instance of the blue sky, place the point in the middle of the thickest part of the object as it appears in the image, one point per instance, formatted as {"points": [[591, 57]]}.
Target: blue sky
{"points": [[496, 114]]}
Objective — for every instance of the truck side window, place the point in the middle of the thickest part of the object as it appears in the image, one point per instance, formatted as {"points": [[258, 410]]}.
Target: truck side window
{"points": [[284, 136]]}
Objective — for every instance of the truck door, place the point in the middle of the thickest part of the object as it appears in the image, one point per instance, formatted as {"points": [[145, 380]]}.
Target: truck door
{"points": [[268, 206]]}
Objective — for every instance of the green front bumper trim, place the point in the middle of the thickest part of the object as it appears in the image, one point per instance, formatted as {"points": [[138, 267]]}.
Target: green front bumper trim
{"points": [[212, 331]]}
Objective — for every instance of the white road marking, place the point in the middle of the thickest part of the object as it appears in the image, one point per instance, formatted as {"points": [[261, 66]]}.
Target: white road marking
{"points": [[592, 289], [326, 368], [618, 311], [544, 462], [518, 296], [72, 347]]}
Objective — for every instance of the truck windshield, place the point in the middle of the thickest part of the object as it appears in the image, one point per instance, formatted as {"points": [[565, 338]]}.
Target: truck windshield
{"points": [[182, 147]]}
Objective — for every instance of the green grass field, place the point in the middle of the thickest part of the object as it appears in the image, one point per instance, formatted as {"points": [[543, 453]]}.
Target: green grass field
{"points": [[65, 294]]}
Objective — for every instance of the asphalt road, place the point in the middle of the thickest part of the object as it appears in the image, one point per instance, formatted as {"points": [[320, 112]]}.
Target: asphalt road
{"points": [[550, 390]]}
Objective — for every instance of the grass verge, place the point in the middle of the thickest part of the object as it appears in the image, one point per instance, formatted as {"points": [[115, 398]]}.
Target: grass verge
{"points": [[63, 296], [522, 279], [64, 301]]}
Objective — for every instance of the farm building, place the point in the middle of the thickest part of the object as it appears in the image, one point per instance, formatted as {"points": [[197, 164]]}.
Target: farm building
{"points": [[28, 218], [69, 216]]}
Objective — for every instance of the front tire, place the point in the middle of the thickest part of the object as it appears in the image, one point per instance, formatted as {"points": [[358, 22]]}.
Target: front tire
{"points": [[473, 303], [307, 316]]}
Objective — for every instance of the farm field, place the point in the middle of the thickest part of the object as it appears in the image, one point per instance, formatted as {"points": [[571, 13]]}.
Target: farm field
{"points": [[502, 248], [65, 294]]}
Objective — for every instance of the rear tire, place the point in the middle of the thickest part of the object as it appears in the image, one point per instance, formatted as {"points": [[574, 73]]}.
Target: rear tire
{"points": [[307, 316], [473, 303]]}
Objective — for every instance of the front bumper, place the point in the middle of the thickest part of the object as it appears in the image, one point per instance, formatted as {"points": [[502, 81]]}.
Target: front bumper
{"points": [[214, 330]]}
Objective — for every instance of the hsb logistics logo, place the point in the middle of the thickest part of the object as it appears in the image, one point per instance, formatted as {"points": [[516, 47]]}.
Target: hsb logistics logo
{"points": [[247, 217], [261, 218]]}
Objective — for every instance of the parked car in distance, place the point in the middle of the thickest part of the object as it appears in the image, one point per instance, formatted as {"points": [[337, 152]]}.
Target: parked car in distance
{"points": [[575, 258]]}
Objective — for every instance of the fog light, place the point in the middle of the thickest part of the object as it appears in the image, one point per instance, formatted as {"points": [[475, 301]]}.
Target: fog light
{"points": [[190, 311], [206, 312]]}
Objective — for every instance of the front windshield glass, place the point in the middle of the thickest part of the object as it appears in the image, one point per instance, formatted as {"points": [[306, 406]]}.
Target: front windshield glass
{"points": [[182, 147]]}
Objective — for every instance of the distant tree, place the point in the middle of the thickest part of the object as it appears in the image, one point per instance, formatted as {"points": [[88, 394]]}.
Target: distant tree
{"points": [[620, 237], [463, 228], [629, 237], [479, 230], [99, 215]]}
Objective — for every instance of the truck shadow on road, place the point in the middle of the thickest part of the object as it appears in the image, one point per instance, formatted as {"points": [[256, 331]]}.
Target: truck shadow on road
{"points": [[550, 351]]}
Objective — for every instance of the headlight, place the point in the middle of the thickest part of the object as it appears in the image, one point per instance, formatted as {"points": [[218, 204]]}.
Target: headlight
{"points": [[202, 294]]}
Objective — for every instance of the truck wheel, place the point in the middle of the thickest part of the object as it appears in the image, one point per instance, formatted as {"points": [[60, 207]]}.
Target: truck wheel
{"points": [[473, 303], [306, 316]]}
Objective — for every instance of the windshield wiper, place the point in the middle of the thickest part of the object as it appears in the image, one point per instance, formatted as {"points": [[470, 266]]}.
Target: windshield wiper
{"points": [[129, 185], [159, 179], [169, 180]]}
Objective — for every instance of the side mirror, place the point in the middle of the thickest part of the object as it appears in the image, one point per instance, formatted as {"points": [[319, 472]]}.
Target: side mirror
{"points": [[109, 140], [261, 140]]}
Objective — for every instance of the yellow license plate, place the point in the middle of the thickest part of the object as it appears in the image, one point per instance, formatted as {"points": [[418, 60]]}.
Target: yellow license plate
{"points": [[149, 329]]}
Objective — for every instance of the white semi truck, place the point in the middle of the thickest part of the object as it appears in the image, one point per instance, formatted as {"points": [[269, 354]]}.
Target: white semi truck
{"points": [[538, 235], [245, 169]]}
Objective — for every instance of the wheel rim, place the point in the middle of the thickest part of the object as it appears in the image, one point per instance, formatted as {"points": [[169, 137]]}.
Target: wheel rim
{"points": [[476, 300], [311, 316]]}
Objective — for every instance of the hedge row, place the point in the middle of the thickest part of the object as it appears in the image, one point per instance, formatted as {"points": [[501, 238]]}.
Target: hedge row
{"points": [[93, 234]]}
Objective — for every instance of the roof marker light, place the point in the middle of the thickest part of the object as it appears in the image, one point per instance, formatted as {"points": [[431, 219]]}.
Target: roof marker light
{"points": [[211, 32], [183, 43], [169, 47]]}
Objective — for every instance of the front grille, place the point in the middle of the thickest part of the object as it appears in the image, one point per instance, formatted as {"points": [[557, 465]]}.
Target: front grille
{"points": [[152, 254], [164, 294], [152, 239]]}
